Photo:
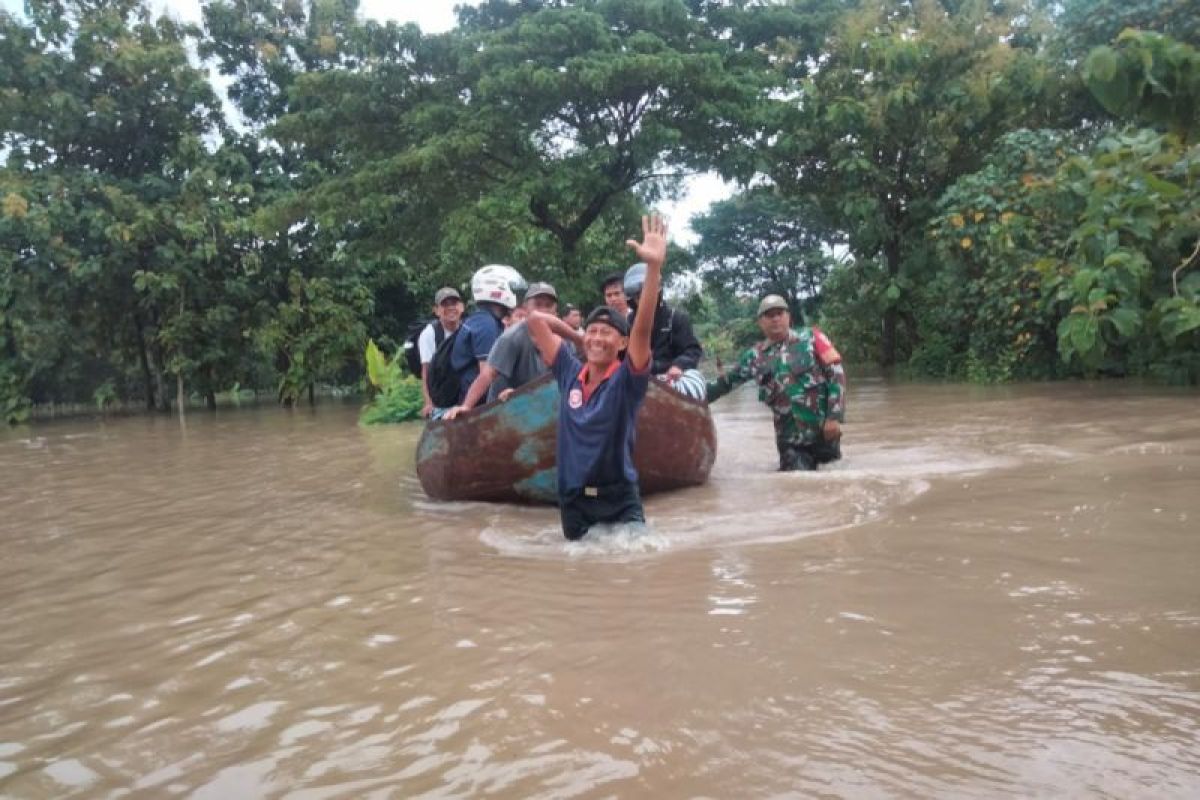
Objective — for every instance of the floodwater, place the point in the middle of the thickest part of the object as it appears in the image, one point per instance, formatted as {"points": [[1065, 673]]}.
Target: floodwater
{"points": [[996, 593]]}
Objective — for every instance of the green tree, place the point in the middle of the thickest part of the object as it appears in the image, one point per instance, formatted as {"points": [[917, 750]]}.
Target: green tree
{"points": [[99, 98], [990, 308], [1082, 25], [909, 96], [759, 242], [1065, 245], [1149, 77], [541, 122]]}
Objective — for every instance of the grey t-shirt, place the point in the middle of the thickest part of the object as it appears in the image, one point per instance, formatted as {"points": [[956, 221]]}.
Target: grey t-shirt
{"points": [[516, 360]]}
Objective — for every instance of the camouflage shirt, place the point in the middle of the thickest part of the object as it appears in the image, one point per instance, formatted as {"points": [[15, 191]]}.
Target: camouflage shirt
{"points": [[800, 378]]}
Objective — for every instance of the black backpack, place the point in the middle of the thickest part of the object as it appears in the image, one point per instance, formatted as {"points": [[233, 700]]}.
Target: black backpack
{"points": [[412, 353], [443, 379]]}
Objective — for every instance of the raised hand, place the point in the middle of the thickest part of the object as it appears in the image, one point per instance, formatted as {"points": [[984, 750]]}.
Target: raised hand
{"points": [[653, 247]]}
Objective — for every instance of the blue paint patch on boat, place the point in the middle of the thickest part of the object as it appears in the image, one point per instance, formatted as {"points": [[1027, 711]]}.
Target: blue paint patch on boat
{"points": [[533, 413], [541, 486], [531, 452]]}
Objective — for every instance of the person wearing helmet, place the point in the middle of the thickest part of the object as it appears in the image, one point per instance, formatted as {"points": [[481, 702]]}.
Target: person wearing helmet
{"points": [[677, 351], [599, 400], [494, 289], [800, 377], [514, 360]]}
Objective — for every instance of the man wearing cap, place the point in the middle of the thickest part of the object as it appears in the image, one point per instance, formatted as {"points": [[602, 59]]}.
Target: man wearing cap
{"points": [[799, 375], [448, 308], [514, 359], [600, 399]]}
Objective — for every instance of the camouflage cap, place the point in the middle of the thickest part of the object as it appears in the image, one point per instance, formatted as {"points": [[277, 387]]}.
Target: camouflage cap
{"points": [[536, 289], [446, 293], [770, 303]]}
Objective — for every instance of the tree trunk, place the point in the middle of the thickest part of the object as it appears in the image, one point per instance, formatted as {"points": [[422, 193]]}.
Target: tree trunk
{"points": [[160, 380], [180, 398], [210, 394], [312, 397], [144, 358], [887, 344]]}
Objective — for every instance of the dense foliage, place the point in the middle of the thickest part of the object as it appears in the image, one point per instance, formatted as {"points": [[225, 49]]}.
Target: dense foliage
{"points": [[980, 190], [397, 397]]}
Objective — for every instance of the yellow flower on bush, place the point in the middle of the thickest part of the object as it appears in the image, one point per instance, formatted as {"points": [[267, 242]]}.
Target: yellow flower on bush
{"points": [[957, 220], [966, 243]]}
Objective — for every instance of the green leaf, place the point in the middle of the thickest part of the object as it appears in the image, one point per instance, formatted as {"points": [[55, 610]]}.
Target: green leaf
{"points": [[1179, 322], [1127, 321], [1101, 64], [1165, 188], [376, 364]]}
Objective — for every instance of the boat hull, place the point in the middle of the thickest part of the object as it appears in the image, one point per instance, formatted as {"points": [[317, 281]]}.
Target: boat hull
{"points": [[505, 452]]}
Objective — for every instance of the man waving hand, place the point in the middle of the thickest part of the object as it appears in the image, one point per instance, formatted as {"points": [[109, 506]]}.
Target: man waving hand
{"points": [[600, 399]]}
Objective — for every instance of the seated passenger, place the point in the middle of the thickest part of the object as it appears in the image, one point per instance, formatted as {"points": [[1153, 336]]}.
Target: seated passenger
{"points": [[494, 289], [613, 289], [573, 317], [514, 360], [676, 350], [448, 308]]}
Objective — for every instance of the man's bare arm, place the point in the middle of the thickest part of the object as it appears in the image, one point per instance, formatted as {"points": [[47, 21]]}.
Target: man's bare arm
{"points": [[428, 409], [653, 251], [477, 389], [564, 331], [546, 340]]}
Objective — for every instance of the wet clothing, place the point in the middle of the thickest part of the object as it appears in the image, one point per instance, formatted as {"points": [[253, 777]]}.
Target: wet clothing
{"points": [[475, 338], [516, 360], [580, 509], [801, 379], [596, 433], [805, 458], [672, 342]]}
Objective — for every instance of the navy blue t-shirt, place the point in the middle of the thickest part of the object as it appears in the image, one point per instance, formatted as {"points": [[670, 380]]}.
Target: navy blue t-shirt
{"points": [[475, 339], [595, 437]]}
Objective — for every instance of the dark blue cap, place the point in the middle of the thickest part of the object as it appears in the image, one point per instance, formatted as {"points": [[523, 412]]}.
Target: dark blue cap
{"points": [[609, 316]]}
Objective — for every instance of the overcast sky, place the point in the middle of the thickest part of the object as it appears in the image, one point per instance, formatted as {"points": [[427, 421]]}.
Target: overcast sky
{"points": [[434, 16]]}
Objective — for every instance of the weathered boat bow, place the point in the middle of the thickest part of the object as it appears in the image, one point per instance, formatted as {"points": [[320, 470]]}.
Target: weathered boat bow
{"points": [[504, 452]]}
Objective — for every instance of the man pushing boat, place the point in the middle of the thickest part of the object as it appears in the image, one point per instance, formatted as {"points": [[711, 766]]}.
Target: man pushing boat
{"points": [[600, 399]]}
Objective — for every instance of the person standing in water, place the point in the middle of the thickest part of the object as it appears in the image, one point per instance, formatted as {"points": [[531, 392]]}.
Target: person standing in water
{"points": [[800, 377], [600, 399]]}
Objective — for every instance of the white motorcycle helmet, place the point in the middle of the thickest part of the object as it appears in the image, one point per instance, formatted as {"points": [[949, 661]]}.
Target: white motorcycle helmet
{"points": [[497, 283]]}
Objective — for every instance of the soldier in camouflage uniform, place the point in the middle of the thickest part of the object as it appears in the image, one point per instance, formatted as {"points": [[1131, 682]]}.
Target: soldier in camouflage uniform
{"points": [[799, 375]]}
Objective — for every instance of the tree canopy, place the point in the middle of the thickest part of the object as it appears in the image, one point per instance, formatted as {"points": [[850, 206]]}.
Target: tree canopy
{"points": [[983, 190]]}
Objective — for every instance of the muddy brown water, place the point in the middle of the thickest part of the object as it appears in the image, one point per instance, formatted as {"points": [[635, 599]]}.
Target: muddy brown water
{"points": [[996, 593]]}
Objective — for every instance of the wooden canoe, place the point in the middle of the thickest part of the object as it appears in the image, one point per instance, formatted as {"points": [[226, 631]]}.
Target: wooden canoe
{"points": [[504, 452]]}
